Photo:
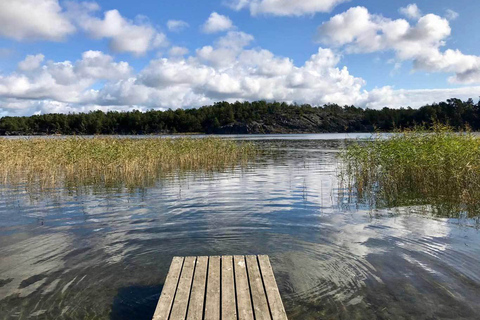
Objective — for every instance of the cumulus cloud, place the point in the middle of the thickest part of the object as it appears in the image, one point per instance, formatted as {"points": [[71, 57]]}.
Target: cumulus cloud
{"points": [[411, 11], [34, 20], [98, 65], [229, 69], [46, 20], [389, 97], [255, 74], [177, 25], [125, 35], [356, 30], [61, 81], [235, 40], [203, 78], [31, 62], [217, 23], [21, 107], [226, 49], [285, 7]]}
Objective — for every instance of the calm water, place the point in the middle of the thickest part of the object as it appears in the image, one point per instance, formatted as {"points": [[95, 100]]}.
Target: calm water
{"points": [[105, 255]]}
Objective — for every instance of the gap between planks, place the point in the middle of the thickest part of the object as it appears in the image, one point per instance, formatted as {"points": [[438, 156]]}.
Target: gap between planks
{"points": [[220, 287]]}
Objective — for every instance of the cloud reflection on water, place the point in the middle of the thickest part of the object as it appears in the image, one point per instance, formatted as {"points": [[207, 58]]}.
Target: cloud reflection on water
{"points": [[330, 260]]}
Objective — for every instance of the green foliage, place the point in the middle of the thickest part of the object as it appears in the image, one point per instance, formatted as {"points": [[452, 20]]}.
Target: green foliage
{"points": [[273, 116], [435, 167]]}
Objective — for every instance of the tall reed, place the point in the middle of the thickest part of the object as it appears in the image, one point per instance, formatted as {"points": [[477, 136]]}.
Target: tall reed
{"points": [[112, 161], [435, 167]]}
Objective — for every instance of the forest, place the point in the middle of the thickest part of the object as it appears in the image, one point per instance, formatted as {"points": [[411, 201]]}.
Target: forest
{"points": [[247, 117]]}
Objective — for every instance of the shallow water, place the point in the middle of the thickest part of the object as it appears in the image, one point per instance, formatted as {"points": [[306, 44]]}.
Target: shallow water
{"points": [[105, 255]]}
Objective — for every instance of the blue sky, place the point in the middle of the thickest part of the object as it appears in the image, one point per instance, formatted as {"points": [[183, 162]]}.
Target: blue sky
{"points": [[72, 56]]}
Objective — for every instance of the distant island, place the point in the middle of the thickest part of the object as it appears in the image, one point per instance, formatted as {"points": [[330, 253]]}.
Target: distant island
{"points": [[247, 118]]}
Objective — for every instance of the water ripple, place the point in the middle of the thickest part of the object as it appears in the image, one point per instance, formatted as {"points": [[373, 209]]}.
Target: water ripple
{"points": [[105, 254]]}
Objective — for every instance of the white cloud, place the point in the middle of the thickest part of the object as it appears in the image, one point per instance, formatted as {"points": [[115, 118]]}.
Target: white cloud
{"points": [[411, 11], [177, 25], [98, 65], [389, 97], [46, 20], [356, 30], [61, 81], [226, 49], [125, 35], [235, 40], [20, 107], [177, 51], [217, 23], [255, 74], [266, 63], [451, 15], [34, 20], [286, 7], [227, 70], [31, 62], [354, 25], [200, 79]]}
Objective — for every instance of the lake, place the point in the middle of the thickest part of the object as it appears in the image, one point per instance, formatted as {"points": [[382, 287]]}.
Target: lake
{"points": [[104, 254]]}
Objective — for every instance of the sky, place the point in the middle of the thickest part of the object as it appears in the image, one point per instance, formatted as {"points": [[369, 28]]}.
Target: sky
{"points": [[78, 56]]}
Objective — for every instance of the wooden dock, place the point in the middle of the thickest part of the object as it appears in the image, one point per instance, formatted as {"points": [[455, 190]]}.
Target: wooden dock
{"points": [[214, 288]]}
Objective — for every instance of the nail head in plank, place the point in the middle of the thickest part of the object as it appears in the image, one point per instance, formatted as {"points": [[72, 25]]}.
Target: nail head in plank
{"points": [[197, 296], [168, 292], [229, 308], [259, 299], [244, 302], [212, 302], [179, 308], [273, 295]]}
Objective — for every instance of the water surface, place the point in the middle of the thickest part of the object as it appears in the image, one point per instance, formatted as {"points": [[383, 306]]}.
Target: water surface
{"points": [[105, 254]]}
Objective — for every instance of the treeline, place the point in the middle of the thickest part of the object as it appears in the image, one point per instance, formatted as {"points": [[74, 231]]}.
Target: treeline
{"points": [[246, 117]]}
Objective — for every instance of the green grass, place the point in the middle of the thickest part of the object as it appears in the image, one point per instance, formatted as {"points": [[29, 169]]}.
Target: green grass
{"points": [[111, 161], [436, 167]]}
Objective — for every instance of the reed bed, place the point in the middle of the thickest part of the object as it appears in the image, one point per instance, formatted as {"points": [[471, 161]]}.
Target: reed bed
{"points": [[435, 167], [42, 163]]}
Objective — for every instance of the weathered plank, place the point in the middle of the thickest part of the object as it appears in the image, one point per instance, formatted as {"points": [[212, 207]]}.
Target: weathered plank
{"points": [[229, 307], [212, 302], [214, 288], [273, 295], [169, 288], [244, 302], [179, 308], [259, 299], [197, 295]]}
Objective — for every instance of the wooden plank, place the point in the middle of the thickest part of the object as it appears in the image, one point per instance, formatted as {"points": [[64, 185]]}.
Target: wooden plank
{"points": [[197, 296], [214, 288], [244, 302], [273, 295], [212, 302], [179, 309], [168, 292], [229, 307], [259, 299]]}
